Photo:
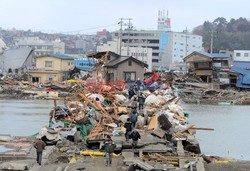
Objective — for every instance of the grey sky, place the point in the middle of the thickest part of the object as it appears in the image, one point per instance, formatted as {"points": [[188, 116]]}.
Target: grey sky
{"points": [[71, 15]]}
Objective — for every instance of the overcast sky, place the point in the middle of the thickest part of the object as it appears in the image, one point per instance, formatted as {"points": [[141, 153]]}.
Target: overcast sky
{"points": [[73, 15]]}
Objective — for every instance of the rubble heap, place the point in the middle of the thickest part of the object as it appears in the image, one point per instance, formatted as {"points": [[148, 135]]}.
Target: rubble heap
{"points": [[166, 137]]}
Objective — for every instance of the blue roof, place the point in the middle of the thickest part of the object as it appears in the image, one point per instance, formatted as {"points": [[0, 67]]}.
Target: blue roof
{"points": [[243, 68], [213, 55], [85, 63], [60, 56]]}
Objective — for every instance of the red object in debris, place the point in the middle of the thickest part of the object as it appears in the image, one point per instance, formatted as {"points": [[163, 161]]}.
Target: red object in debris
{"points": [[155, 77], [148, 81], [51, 90]]}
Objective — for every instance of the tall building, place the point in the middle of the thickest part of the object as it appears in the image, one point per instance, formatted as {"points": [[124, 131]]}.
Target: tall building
{"points": [[42, 47], [141, 53], [167, 47], [164, 23]]}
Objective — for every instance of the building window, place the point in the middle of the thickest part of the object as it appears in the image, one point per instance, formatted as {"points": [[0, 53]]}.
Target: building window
{"points": [[181, 43], [238, 54], [129, 63], [108, 57], [245, 54], [50, 77], [129, 76], [155, 60], [155, 54], [48, 64], [193, 45], [181, 50], [69, 63]]}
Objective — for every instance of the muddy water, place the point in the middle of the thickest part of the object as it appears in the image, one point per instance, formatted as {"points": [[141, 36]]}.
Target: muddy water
{"points": [[23, 117], [232, 125]]}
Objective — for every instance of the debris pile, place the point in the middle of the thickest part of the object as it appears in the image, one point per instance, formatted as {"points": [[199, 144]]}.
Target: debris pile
{"points": [[214, 96], [90, 116]]}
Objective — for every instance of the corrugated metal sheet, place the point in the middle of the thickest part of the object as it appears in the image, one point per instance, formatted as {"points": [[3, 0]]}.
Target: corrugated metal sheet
{"points": [[243, 68]]}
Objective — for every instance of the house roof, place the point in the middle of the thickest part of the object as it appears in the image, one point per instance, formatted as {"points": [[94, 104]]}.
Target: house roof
{"points": [[60, 56], [122, 59], [241, 67], [209, 55], [98, 55], [15, 58]]}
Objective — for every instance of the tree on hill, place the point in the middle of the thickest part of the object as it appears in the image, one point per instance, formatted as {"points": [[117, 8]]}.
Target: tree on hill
{"points": [[231, 35]]}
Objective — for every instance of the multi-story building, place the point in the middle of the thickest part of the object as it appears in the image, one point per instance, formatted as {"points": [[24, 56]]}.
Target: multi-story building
{"points": [[54, 67], [168, 48], [42, 47], [141, 53]]}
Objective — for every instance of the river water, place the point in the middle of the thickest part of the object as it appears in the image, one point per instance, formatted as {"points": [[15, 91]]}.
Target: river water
{"points": [[23, 117], [231, 124], [231, 137]]}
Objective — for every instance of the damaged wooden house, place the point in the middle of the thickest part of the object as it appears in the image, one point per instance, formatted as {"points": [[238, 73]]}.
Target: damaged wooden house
{"points": [[113, 67], [213, 69]]}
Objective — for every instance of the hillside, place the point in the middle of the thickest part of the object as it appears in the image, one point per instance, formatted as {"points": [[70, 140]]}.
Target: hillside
{"points": [[232, 35]]}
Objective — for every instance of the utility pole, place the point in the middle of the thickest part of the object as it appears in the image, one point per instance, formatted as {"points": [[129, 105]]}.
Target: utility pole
{"points": [[212, 39], [186, 48], [120, 48], [129, 27]]}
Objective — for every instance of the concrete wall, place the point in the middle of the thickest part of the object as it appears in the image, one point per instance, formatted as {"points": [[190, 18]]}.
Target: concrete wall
{"points": [[124, 67]]}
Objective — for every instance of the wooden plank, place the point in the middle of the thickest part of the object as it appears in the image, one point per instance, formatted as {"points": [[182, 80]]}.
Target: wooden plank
{"points": [[182, 131], [205, 129], [159, 133], [153, 122]]}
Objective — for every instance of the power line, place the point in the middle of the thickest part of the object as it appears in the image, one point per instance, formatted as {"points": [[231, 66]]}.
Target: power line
{"points": [[91, 28]]}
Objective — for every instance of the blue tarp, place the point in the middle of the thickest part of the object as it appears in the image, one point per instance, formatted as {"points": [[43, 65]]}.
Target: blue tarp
{"points": [[243, 68]]}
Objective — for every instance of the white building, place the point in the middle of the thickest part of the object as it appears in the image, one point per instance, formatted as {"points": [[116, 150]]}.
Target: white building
{"points": [[168, 48], [42, 47], [140, 53], [241, 55]]}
